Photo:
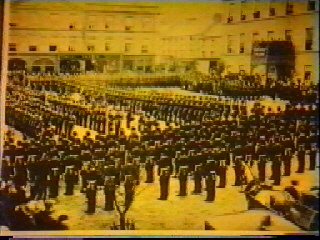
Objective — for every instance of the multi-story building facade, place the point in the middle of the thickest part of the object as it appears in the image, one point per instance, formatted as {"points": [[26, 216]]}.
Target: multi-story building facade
{"points": [[186, 47], [247, 25], [79, 36]]}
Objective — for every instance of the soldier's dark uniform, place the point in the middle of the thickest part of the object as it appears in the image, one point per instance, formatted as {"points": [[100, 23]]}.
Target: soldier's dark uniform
{"points": [[54, 178], [110, 193], [198, 173], [287, 158], [222, 172], [238, 170], [211, 186], [71, 179], [301, 159], [149, 166], [312, 155], [91, 194], [262, 167], [164, 184], [277, 170], [183, 180], [129, 186]]}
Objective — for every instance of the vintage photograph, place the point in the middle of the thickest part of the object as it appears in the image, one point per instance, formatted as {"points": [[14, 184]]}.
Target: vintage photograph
{"points": [[170, 116]]}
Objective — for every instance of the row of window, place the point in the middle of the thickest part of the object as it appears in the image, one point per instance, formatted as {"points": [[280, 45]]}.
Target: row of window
{"points": [[91, 27], [127, 48], [308, 44], [311, 6]]}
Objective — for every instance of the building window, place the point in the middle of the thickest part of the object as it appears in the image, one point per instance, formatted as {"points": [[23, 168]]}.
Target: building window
{"points": [[90, 48], [52, 48], [243, 10], [242, 41], [128, 28], [255, 37], [270, 35], [230, 19], [241, 69], [289, 8], [106, 26], [12, 47], [288, 35], [230, 44], [32, 48], [71, 27], [12, 24], [307, 72], [144, 49], [107, 47], [127, 47], [311, 5], [309, 39], [71, 48], [272, 11], [256, 14], [232, 10], [241, 48], [90, 27]]}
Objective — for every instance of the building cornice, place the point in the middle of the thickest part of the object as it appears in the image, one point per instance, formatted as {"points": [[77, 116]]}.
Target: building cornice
{"points": [[76, 30]]}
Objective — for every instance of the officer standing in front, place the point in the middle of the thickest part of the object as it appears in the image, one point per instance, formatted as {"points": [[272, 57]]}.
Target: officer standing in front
{"points": [[211, 186], [91, 194], [109, 192], [183, 179], [164, 184]]}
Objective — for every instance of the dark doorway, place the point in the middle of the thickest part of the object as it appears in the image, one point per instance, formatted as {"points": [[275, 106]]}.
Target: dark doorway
{"points": [[49, 69], [128, 64], [36, 69], [69, 66], [16, 64], [89, 65]]}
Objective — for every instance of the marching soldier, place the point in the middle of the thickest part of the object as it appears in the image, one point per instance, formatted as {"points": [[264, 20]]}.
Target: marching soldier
{"points": [[197, 180], [71, 178], [211, 186], [164, 184], [91, 194], [183, 179], [109, 193]]}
